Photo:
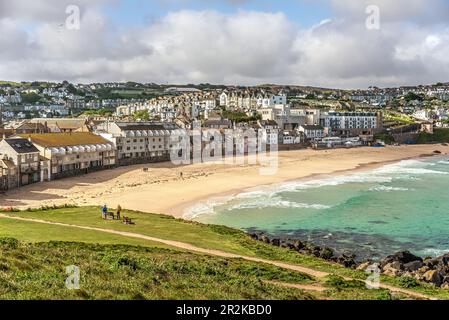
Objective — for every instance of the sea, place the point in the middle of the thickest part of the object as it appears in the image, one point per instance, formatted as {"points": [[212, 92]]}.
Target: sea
{"points": [[374, 213]]}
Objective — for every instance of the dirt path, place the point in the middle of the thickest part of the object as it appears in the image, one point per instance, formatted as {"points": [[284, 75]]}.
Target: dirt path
{"points": [[218, 253], [305, 287]]}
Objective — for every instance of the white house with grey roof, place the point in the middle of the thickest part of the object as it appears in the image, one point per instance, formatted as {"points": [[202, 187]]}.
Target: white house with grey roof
{"points": [[141, 142]]}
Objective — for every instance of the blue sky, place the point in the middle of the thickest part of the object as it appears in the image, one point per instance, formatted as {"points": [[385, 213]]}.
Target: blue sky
{"points": [[138, 12], [228, 41]]}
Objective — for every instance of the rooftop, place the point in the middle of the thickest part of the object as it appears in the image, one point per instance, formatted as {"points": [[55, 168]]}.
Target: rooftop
{"points": [[57, 140], [21, 145]]}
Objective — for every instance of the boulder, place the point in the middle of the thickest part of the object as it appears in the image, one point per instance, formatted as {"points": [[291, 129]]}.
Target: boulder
{"points": [[298, 245], [441, 260], [264, 238], [392, 269], [413, 266], [276, 242], [423, 269], [346, 260], [434, 277], [363, 266], [326, 253], [401, 257], [254, 236]]}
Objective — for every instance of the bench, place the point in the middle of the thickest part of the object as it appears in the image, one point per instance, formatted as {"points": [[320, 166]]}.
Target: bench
{"points": [[109, 215]]}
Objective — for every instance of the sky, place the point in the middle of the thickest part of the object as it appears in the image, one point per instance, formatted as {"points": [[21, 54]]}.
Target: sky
{"points": [[328, 43]]}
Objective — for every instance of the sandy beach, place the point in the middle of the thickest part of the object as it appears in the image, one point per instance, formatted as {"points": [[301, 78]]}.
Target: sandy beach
{"points": [[163, 190]]}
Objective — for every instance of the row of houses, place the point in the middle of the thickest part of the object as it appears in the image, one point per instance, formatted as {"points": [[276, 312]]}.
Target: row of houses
{"points": [[31, 158]]}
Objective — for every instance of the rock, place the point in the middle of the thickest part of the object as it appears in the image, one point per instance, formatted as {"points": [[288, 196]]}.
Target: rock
{"points": [[402, 257], [264, 238], [392, 269], [433, 276], [423, 269], [364, 266], [276, 242], [298, 245], [283, 244], [347, 261], [326, 253], [413, 266], [254, 236], [441, 260], [437, 152]]}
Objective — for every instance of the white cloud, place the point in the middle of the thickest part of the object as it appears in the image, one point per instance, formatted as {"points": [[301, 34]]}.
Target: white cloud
{"points": [[240, 48]]}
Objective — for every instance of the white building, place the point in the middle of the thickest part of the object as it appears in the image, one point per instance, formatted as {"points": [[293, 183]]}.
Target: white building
{"points": [[312, 132], [351, 120]]}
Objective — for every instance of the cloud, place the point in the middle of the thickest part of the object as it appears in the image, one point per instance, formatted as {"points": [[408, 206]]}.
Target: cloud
{"points": [[44, 10], [245, 47]]}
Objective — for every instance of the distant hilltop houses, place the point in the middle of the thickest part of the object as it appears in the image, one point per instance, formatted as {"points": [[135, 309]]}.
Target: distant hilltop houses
{"points": [[55, 130]]}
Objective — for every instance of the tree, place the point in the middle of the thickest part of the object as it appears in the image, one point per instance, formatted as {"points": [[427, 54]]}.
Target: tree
{"points": [[142, 115], [30, 98]]}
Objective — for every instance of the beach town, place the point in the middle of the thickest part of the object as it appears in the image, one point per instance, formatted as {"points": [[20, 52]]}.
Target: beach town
{"points": [[223, 158]]}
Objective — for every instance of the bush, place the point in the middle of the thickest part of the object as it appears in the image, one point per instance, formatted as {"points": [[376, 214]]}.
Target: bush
{"points": [[408, 282], [340, 283], [9, 243]]}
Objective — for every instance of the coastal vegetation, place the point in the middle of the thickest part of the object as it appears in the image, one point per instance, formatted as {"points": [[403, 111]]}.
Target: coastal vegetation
{"points": [[440, 135], [35, 260]]}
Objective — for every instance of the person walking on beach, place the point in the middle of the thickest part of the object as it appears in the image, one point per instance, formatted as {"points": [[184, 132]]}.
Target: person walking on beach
{"points": [[118, 212]]}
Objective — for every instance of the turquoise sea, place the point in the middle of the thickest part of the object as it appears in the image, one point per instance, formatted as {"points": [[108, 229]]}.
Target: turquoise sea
{"points": [[373, 213]]}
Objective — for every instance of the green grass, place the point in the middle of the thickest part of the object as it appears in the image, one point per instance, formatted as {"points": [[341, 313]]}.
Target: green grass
{"points": [[440, 135], [33, 232], [38, 271], [165, 227]]}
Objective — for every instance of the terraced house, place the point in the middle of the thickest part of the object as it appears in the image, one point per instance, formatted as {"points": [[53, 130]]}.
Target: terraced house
{"points": [[20, 163], [72, 154], [141, 142]]}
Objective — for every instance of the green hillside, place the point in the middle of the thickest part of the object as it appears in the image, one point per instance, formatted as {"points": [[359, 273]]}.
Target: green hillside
{"points": [[118, 261]]}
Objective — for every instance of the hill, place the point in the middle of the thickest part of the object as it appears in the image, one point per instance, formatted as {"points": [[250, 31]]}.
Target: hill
{"points": [[164, 258]]}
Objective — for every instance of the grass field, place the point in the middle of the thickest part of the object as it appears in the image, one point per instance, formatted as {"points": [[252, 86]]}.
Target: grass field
{"points": [[203, 236]]}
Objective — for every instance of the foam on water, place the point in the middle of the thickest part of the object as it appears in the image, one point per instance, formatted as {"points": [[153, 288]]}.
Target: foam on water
{"points": [[383, 188], [401, 206], [274, 202]]}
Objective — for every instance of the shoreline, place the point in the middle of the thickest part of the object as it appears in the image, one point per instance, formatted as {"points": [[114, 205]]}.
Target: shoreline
{"points": [[182, 211], [169, 189]]}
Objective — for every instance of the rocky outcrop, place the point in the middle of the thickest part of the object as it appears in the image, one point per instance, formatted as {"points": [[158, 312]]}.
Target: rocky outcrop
{"points": [[406, 264], [307, 248], [401, 264]]}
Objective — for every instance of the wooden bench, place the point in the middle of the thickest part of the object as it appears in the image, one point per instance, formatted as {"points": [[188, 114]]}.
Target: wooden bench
{"points": [[109, 215]]}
